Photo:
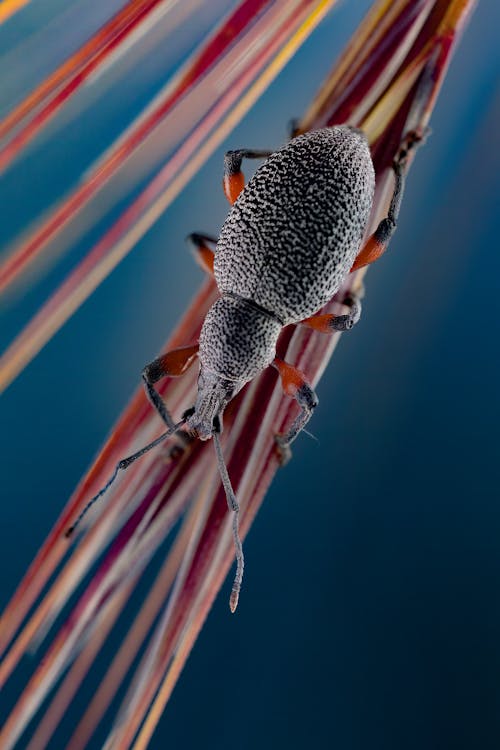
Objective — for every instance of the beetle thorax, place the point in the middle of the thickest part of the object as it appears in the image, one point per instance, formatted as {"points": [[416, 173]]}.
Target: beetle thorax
{"points": [[237, 341]]}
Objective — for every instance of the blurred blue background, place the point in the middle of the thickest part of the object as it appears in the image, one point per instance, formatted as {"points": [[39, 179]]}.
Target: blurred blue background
{"points": [[385, 535]]}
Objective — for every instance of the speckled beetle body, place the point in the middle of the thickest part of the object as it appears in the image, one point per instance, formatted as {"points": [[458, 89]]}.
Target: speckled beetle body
{"points": [[291, 237], [287, 244], [294, 231]]}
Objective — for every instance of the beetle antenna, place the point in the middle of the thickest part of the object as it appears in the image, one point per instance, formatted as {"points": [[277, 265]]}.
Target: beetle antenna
{"points": [[235, 508], [124, 464]]}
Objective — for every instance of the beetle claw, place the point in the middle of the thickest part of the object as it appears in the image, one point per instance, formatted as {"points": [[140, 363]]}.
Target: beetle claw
{"points": [[411, 139], [283, 449], [184, 440], [352, 297]]}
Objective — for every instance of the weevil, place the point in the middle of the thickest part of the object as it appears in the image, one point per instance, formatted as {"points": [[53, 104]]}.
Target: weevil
{"points": [[292, 235]]}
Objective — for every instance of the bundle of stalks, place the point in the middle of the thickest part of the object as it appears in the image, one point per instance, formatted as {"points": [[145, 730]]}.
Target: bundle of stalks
{"points": [[386, 82]]}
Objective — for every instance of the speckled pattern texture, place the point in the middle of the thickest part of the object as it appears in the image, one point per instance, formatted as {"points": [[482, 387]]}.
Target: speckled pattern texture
{"points": [[296, 228], [237, 341]]}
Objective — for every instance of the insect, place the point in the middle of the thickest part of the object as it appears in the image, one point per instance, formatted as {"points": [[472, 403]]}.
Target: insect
{"points": [[291, 237]]}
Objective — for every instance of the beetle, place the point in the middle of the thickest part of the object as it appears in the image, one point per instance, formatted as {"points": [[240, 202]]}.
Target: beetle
{"points": [[292, 235]]}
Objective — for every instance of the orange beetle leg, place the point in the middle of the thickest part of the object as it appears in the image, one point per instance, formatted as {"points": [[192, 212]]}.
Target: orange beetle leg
{"points": [[234, 181], [377, 243], [294, 384], [233, 185], [291, 378], [371, 251], [203, 254], [331, 323], [173, 364]]}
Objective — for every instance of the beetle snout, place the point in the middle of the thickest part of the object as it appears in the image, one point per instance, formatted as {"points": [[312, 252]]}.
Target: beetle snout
{"points": [[214, 393], [201, 430], [201, 423]]}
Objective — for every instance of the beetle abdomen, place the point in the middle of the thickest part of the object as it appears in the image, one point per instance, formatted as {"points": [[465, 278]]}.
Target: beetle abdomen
{"points": [[296, 228]]}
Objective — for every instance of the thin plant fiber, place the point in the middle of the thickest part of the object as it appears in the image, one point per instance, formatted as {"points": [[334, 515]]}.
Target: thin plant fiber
{"points": [[386, 82]]}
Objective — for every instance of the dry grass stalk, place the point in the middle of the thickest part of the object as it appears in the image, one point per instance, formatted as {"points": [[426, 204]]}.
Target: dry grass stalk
{"points": [[386, 82]]}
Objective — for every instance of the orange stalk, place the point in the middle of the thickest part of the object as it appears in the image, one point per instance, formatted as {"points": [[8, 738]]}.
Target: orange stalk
{"points": [[9, 7], [388, 99], [73, 72]]}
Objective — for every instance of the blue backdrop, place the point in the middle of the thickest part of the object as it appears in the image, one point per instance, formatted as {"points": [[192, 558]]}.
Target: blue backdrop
{"points": [[385, 535]]}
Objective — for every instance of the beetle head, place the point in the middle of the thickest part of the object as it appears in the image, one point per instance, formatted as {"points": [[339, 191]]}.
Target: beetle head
{"points": [[237, 341], [214, 394]]}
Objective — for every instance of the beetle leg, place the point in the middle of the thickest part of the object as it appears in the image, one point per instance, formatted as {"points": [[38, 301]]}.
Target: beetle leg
{"points": [[331, 323], [173, 364], [203, 253], [234, 181], [294, 384], [377, 243]]}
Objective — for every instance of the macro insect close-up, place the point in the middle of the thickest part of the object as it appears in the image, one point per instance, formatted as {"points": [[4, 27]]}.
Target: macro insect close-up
{"points": [[294, 235], [368, 601]]}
